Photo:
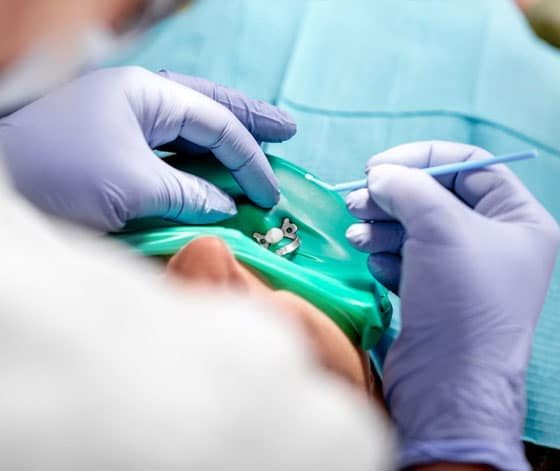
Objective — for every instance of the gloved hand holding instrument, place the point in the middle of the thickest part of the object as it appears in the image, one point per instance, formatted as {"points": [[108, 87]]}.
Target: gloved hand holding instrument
{"points": [[471, 256]]}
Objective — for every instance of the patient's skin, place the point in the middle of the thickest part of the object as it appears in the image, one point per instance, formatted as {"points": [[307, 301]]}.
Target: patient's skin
{"points": [[209, 260]]}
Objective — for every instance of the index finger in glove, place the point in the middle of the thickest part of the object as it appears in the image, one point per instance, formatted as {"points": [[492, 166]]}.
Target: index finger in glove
{"points": [[168, 110], [266, 122]]}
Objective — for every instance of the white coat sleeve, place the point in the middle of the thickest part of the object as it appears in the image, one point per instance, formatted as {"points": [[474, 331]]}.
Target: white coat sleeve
{"points": [[102, 366]]}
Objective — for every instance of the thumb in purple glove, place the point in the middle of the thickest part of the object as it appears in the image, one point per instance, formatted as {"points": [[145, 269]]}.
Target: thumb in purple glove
{"points": [[471, 256]]}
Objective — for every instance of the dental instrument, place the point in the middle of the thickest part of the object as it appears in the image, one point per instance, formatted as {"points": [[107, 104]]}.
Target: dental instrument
{"points": [[434, 171]]}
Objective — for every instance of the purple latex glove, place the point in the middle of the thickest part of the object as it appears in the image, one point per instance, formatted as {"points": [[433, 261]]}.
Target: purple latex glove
{"points": [[84, 152], [471, 256]]}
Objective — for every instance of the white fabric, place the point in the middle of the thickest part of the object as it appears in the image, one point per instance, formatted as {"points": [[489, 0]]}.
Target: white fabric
{"points": [[103, 367]]}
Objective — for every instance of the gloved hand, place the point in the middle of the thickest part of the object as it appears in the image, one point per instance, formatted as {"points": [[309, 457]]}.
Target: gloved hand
{"points": [[84, 152], [471, 256]]}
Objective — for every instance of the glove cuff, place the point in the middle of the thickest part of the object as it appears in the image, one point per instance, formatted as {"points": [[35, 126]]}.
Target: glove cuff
{"points": [[506, 456]]}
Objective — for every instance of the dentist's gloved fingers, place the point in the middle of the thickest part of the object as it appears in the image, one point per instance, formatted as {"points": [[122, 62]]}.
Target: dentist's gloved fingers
{"points": [[429, 154], [414, 155], [264, 121], [496, 192], [361, 206], [170, 110], [386, 268], [424, 207], [376, 237], [248, 164], [183, 197], [480, 189]]}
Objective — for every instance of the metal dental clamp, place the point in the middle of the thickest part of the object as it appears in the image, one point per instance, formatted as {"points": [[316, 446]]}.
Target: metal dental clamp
{"points": [[288, 230]]}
